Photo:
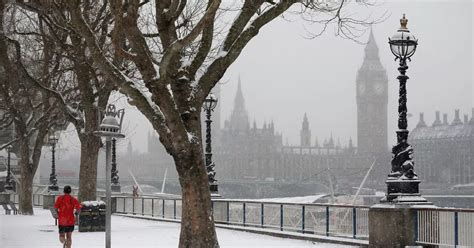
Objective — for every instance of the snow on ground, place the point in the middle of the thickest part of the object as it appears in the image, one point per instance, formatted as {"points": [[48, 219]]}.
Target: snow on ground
{"points": [[39, 231]]}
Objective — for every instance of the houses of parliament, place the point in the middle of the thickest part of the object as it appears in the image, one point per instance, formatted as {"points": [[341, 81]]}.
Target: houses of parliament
{"points": [[244, 152]]}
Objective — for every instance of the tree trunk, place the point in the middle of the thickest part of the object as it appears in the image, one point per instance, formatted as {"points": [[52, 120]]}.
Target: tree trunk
{"points": [[26, 180], [197, 222], [90, 145]]}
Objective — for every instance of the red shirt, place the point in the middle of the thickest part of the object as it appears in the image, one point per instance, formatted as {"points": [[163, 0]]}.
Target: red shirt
{"points": [[66, 205]]}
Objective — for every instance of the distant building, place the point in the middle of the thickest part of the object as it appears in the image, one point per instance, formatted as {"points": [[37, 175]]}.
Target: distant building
{"points": [[372, 99], [444, 151], [244, 151]]}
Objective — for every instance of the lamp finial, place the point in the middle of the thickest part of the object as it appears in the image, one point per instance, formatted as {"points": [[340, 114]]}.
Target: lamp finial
{"points": [[403, 22]]}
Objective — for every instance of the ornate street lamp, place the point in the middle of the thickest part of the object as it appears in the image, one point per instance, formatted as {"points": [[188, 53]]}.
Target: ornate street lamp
{"points": [[402, 182], [209, 105], [53, 181], [110, 128], [8, 179]]}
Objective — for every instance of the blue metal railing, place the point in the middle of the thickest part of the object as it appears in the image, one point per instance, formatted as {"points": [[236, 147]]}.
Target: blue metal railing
{"points": [[450, 227], [349, 221]]}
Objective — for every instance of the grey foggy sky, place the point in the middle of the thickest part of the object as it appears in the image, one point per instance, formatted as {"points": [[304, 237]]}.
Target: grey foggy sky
{"points": [[285, 75]]}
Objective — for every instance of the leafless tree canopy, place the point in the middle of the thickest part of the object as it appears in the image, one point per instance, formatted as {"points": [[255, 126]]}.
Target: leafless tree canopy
{"points": [[166, 56]]}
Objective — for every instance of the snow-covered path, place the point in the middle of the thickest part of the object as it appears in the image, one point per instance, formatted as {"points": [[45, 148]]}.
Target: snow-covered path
{"points": [[39, 231]]}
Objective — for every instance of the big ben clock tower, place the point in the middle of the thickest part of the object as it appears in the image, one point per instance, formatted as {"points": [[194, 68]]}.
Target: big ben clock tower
{"points": [[372, 98]]}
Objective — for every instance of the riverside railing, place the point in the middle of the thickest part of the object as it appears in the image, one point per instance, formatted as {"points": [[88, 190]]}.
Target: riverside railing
{"points": [[445, 227], [310, 218], [38, 192]]}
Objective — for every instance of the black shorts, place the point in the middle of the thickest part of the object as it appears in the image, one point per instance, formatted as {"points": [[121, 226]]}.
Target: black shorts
{"points": [[65, 229]]}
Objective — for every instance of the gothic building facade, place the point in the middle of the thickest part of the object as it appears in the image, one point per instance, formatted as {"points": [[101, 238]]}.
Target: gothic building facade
{"points": [[444, 151], [248, 152], [245, 152]]}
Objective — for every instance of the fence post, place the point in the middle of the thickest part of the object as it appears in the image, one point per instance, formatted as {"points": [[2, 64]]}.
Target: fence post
{"points": [[281, 217], [456, 229], [327, 221], [124, 201], [163, 209], [302, 218], [143, 206], [133, 206], [354, 222], [228, 213], [262, 215], [415, 220], [152, 207], [174, 209], [243, 213]]}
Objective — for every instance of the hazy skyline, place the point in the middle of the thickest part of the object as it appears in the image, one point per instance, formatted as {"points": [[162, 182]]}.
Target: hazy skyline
{"points": [[318, 76], [285, 75]]}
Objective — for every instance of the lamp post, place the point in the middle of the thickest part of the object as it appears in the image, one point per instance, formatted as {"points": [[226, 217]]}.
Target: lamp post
{"points": [[209, 105], [53, 181], [110, 128], [403, 182], [115, 177], [8, 179]]}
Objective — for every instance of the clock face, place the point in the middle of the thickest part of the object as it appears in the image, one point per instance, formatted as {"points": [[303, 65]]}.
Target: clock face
{"points": [[361, 88], [378, 88]]}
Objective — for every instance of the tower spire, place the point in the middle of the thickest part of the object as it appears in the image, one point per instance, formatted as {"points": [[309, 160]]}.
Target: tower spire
{"points": [[305, 133], [239, 118], [371, 49]]}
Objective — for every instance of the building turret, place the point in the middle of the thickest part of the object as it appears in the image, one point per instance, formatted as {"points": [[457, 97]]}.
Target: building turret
{"points": [[437, 121], [421, 122], [305, 133], [445, 119], [239, 119], [457, 119]]}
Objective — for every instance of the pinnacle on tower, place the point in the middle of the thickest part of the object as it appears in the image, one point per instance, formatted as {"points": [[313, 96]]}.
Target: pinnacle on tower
{"points": [[239, 118], [421, 122], [305, 133], [239, 102], [371, 49], [437, 121], [457, 119]]}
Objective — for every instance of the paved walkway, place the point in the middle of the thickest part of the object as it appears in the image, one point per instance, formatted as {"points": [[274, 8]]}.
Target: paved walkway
{"points": [[39, 231]]}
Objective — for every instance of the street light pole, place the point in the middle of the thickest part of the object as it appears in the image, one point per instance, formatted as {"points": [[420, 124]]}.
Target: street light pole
{"points": [[8, 179], [209, 104], [115, 177], [110, 129], [402, 182], [108, 201], [53, 181]]}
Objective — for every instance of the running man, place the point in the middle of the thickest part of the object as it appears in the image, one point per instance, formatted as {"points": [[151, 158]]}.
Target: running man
{"points": [[65, 206]]}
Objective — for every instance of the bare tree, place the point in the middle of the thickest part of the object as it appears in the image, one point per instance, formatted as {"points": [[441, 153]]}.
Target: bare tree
{"points": [[172, 53], [32, 112], [92, 90]]}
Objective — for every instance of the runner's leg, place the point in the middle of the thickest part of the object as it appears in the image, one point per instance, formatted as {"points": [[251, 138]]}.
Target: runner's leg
{"points": [[69, 239], [61, 238]]}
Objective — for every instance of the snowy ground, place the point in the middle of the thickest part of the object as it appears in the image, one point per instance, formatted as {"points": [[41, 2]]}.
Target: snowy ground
{"points": [[39, 231]]}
